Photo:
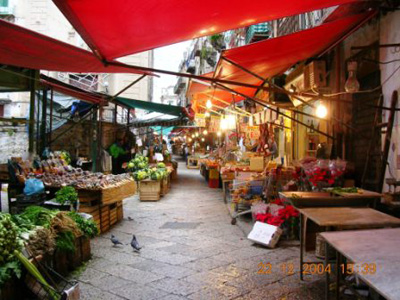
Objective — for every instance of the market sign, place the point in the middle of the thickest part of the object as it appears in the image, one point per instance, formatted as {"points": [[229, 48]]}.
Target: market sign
{"points": [[214, 124], [200, 120]]}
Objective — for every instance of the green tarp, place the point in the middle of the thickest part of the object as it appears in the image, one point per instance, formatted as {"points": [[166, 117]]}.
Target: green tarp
{"points": [[163, 130], [150, 106]]}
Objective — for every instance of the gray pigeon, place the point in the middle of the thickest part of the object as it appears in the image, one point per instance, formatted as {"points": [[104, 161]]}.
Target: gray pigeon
{"points": [[115, 240], [135, 244]]}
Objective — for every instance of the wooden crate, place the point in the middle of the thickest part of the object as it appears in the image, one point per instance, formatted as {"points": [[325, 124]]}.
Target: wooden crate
{"points": [[91, 197], [120, 211], [105, 218], [164, 186], [113, 214], [151, 196], [86, 251], [128, 189], [111, 194], [150, 190]]}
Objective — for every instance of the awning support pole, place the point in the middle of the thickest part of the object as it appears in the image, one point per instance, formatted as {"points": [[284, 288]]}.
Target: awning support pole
{"points": [[51, 113], [68, 129], [208, 79], [43, 125], [32, 111], [128, 86]]}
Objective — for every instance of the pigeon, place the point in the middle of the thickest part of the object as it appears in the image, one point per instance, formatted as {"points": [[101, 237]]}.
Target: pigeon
{"points": [[135, 244], [130, 219], [115, 240]]}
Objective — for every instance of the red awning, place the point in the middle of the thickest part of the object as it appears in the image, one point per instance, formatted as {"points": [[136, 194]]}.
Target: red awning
{"points": [[72, 91], [25, 48], [121, 27], [274, 56]]}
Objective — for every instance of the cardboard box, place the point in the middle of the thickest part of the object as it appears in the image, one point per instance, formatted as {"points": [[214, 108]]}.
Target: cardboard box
{"points": [[257, 163], [265, 234]]}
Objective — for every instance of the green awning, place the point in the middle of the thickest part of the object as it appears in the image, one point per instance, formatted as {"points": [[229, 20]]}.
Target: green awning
{"points": [[150, 106], [163, 130]]}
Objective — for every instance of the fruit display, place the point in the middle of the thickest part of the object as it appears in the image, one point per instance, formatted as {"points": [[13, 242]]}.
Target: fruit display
{"points": [[80, 179], [138, 163]]}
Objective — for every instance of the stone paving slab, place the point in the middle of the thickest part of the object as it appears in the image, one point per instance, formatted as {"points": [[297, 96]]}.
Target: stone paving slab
{"points": [[205, 258]]}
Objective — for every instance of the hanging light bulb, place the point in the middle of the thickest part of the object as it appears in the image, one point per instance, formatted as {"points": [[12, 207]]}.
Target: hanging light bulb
{"points": [[321, 111], [190, 140], [209, 104], [352, 85], [202, 139], [223, 124], [193, 136], [231, 121], [205, 132], [219, 133], [196, 134], [207, 114]]}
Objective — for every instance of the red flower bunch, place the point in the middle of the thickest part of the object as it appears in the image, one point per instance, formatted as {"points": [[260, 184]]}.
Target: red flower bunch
{"points": [[317, 175], [283, 215], [288, 212], [270, 219]]}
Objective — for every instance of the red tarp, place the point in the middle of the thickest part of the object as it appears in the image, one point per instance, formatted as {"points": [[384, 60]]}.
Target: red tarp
{"points": [[72, 91], [25, 48], [274, 56], [121, 27]]}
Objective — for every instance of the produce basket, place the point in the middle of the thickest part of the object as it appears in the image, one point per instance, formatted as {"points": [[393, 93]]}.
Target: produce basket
{"points": [[60, 287]]}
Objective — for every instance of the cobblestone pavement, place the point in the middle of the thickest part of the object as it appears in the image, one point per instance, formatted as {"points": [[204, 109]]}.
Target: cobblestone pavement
{"points": [[190, 251]]}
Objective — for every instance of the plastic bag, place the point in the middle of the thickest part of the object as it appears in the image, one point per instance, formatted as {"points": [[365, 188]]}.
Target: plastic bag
{"points": [[33, 186]]}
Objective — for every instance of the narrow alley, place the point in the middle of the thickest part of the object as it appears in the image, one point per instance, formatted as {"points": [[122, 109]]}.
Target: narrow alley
{"points": [[190, 251]]}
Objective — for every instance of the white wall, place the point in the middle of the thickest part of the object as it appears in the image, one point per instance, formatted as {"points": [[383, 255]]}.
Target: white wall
{"points": [[390, 34]]}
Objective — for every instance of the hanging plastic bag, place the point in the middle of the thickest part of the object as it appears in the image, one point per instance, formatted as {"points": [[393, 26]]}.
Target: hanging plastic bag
{"points": [[33, 186]]}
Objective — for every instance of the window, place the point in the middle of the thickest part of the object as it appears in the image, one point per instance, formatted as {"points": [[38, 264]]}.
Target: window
{"points": [[3, 3], [1, 110]]}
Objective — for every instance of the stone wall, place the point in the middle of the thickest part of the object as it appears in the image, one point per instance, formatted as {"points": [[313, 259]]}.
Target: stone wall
{"points": [[13, 142]]}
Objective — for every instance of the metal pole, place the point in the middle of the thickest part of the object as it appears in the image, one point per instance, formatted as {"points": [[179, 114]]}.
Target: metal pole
{"points": [[38, 125], [51, 113], [32, 111], [43, 125], [94, 138], [68, 129], [128, 86], [187, 75]]}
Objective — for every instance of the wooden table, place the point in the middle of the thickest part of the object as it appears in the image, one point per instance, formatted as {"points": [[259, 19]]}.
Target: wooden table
{"points": [[379, 247], [334, 218], [327, 199]]}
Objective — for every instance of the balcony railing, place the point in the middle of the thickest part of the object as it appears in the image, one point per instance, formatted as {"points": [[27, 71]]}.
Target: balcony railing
{"points": [[257, 32]]}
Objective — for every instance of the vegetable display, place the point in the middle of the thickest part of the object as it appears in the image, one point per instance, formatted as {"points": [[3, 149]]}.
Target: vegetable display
{"points": [[88, 227], [8, 238], [66, 194], [138, 163]]}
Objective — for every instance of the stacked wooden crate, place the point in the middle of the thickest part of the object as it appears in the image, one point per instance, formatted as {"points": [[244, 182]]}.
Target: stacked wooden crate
{"points": [[105, 205]]}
